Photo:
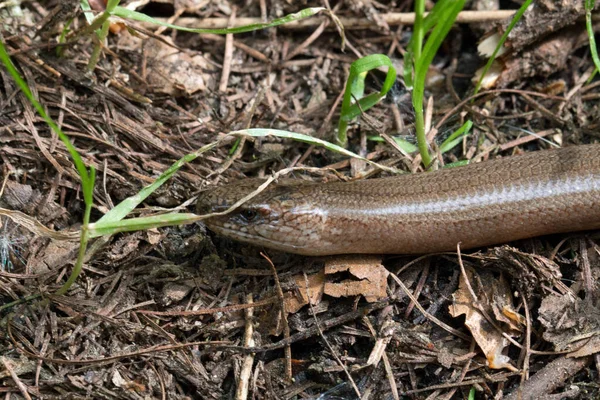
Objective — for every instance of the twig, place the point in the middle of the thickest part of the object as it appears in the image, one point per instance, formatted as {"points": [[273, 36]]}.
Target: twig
{"points": [[228, 56], [463, 373], [286, 326], [242, 389], [386, 362], [349, 23], [15, 377], [430, 317], [546, 380], [526, 350], [498, 378], [206, 311]]}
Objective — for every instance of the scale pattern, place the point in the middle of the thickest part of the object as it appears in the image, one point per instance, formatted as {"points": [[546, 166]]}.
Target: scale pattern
{"points": [[481, 204]]}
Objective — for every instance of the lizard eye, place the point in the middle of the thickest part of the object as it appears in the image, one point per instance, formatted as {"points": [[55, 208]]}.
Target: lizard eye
{"points": [[249, 215]]}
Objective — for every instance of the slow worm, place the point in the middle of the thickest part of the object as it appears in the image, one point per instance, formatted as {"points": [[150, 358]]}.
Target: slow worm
{"points": [[480, 204]]}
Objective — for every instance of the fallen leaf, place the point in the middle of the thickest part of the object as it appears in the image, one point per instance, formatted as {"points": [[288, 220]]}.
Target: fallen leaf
{"points": [[295, 301], [488, 338], [571, 324], [372, 275]]}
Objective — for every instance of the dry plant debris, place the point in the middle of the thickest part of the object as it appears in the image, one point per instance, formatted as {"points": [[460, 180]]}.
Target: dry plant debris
{"points": [[493, 298], [180, 313]]}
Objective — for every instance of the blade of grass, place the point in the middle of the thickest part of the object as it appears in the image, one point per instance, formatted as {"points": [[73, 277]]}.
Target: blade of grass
{"points": [[87, 177], [356, 76], [443, 15], [405, 145], [121, 210], [456, 137], [143, 223], [87, 11], [299, 137], [589, 6], [460, 163], [137, 16]]}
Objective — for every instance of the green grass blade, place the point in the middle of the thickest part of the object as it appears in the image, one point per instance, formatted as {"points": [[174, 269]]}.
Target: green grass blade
{"points": [[456, 137], [137, 16], [441, 19], [143, 223], [447, 16], [87, 177], [358, 70], [299, 137], [87, 11], [408, 72], [113, 222], [460, 163], [405, 145], [416, 42], [122, 209], [589, 6]]}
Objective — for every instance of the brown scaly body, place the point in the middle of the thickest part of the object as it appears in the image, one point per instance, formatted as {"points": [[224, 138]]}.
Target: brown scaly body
{"points": [[479, 204]]}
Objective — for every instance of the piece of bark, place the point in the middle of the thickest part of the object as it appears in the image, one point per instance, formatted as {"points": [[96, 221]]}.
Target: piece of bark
{"points": [[544, 58], [542, 18], [549, 378]]}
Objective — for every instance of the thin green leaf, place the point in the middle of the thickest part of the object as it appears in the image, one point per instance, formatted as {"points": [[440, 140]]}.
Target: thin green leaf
{"points": [[405, 145], [456, 137], [437, 36], [358, 86], [416, 42], [87, 11], [589, 6], [143, 223], [111, 5], [299, 137], [408, 72], [87, 178], [137, 16], [455, 164], [440, 19], [472, 393], [357, 71], [63, 34], [122, 209]]}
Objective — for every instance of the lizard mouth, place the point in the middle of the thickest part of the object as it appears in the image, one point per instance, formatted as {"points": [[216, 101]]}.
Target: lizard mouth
{"points": [[252, 238]]}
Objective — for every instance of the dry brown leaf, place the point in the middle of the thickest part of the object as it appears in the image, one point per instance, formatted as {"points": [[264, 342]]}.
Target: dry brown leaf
{"points": [[174, 72], [489, 339], [371, 273], [55, 255], [34, 226], [503, 308], [295, 301], [571, 324]]}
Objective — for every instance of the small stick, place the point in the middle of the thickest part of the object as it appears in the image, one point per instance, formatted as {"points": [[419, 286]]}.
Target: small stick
{"points": [[242, 389], [286, 326], [352, 23]]}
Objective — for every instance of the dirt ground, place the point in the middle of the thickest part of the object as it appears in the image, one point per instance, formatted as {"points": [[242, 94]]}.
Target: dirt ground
{"points": [[179, 312]]}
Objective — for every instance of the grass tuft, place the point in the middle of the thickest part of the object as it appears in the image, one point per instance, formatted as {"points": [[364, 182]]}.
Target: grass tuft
{"points": [[355, 87], [419, 57]]}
